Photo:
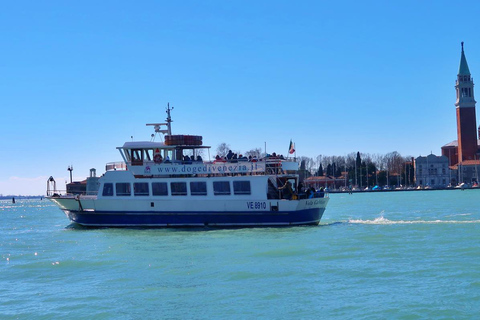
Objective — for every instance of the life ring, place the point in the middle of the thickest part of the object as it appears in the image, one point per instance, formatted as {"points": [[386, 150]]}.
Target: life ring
{"points": [[157, 158]]}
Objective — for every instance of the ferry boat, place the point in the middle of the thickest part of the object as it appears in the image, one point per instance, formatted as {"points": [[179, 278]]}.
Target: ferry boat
{"points": [[168, 184]]}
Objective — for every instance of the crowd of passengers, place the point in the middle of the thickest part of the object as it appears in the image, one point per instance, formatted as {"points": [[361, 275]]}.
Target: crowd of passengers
{"points": [[286, 192], [233, 157], [230, 157]]}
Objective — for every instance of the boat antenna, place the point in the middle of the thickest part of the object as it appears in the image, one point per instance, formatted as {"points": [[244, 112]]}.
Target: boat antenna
{"points": [[168, 124], [169, 119]]}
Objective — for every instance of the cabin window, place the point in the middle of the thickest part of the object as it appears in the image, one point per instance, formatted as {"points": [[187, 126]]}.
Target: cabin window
{"points": [[198, 188], [241, 187], [127, 154], [137, 157], [159, 189], [123, 189], [140, 188], [148, 154], [179, 188], [107, 190], [221, 188]]}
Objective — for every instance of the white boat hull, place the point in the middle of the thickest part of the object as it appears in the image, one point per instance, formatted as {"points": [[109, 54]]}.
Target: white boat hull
{"points": [[193, 213]]}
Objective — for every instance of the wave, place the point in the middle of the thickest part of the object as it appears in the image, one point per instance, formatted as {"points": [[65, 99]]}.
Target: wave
{"points": [[384, 221]]}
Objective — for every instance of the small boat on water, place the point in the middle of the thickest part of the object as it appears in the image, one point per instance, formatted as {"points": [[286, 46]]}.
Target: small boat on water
{"points": [[168, 184]]}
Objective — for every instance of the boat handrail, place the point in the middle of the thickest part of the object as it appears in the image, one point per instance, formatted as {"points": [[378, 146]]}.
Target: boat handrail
{"points": [[54, 193], [64, 193], [115, 166]]}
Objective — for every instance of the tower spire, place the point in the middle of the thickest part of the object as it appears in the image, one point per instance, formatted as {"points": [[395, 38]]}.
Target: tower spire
{"points": [[463, 69], [465, 108]]}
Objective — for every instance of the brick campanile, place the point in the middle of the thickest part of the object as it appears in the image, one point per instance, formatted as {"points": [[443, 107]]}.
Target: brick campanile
{"points": [[466, 118]]}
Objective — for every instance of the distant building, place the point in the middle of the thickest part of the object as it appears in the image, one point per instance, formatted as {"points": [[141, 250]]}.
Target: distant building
{"points": [[464, 152], [466, 172], [324, 181], [432, 171]]}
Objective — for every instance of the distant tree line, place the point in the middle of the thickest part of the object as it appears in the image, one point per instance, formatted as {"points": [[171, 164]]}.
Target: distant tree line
{"points": [[356, 168], [363, 169]]}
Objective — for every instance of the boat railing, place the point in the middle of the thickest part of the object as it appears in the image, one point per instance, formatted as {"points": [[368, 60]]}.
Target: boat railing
{"points": [[64, 193], [56, 193], [264, 166], [314, 195], [111, 166]]}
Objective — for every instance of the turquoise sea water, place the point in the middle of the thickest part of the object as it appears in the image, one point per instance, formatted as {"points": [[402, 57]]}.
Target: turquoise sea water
{"points": [[398, 255]]}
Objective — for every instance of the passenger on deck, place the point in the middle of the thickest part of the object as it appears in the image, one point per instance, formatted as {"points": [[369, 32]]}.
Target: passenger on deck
{"points": [[310, 193], [229, 154], [322, 192], [300, 188], [218, 159], [199, 158], [287, 190]]}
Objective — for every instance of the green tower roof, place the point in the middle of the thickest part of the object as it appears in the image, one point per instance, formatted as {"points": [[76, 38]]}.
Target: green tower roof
{"points": [[463, 70]]}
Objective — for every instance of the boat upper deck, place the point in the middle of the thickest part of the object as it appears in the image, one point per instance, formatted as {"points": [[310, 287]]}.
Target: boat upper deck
{"points": [[155, 159], [182, 155]]}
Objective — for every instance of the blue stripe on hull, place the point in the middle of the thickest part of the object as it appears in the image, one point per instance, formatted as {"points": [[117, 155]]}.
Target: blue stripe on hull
{"points": [[196, 219]]}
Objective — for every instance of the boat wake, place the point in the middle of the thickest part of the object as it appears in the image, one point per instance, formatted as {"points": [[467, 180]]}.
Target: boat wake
{"points": [[383, 221]]}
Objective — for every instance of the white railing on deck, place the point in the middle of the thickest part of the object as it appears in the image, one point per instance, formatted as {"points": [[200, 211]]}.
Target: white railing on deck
{"points": [[115, 166]]}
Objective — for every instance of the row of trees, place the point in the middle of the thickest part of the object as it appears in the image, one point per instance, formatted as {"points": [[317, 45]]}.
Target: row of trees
{"points": [[363, 169], [357, 169]]}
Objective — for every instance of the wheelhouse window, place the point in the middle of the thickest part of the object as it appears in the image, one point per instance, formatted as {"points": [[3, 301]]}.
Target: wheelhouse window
{"points": [[140, 188], [107, 190], [148, 154], [198, 188], [159, 189], [178, 188], [123, 189], [241, 187], [137, 157], [221, 188]]}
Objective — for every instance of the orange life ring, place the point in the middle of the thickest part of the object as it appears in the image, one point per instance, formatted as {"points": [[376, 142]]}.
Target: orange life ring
{"points": [[157, 158]]}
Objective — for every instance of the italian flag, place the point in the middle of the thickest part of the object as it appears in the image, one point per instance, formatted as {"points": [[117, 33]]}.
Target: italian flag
{"points": [[291, 148]]}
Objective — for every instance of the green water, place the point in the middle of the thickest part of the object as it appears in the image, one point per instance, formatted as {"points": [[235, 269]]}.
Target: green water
{"points": [[398, 255]]}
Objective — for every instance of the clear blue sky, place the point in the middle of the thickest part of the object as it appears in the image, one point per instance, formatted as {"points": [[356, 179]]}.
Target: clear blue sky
{"points": [[78, 79]]}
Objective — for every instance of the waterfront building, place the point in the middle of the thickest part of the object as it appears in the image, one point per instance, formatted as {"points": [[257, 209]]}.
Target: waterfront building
{"points": [[432, 171], [325, 182]]}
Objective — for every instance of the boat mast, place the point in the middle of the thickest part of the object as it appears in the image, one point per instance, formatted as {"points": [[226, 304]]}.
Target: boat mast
{"points": [[169, 119], [168, 124]]}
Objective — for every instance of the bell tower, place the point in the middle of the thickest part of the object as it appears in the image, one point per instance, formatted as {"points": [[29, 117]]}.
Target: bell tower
{"points": [[466, 118]]}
